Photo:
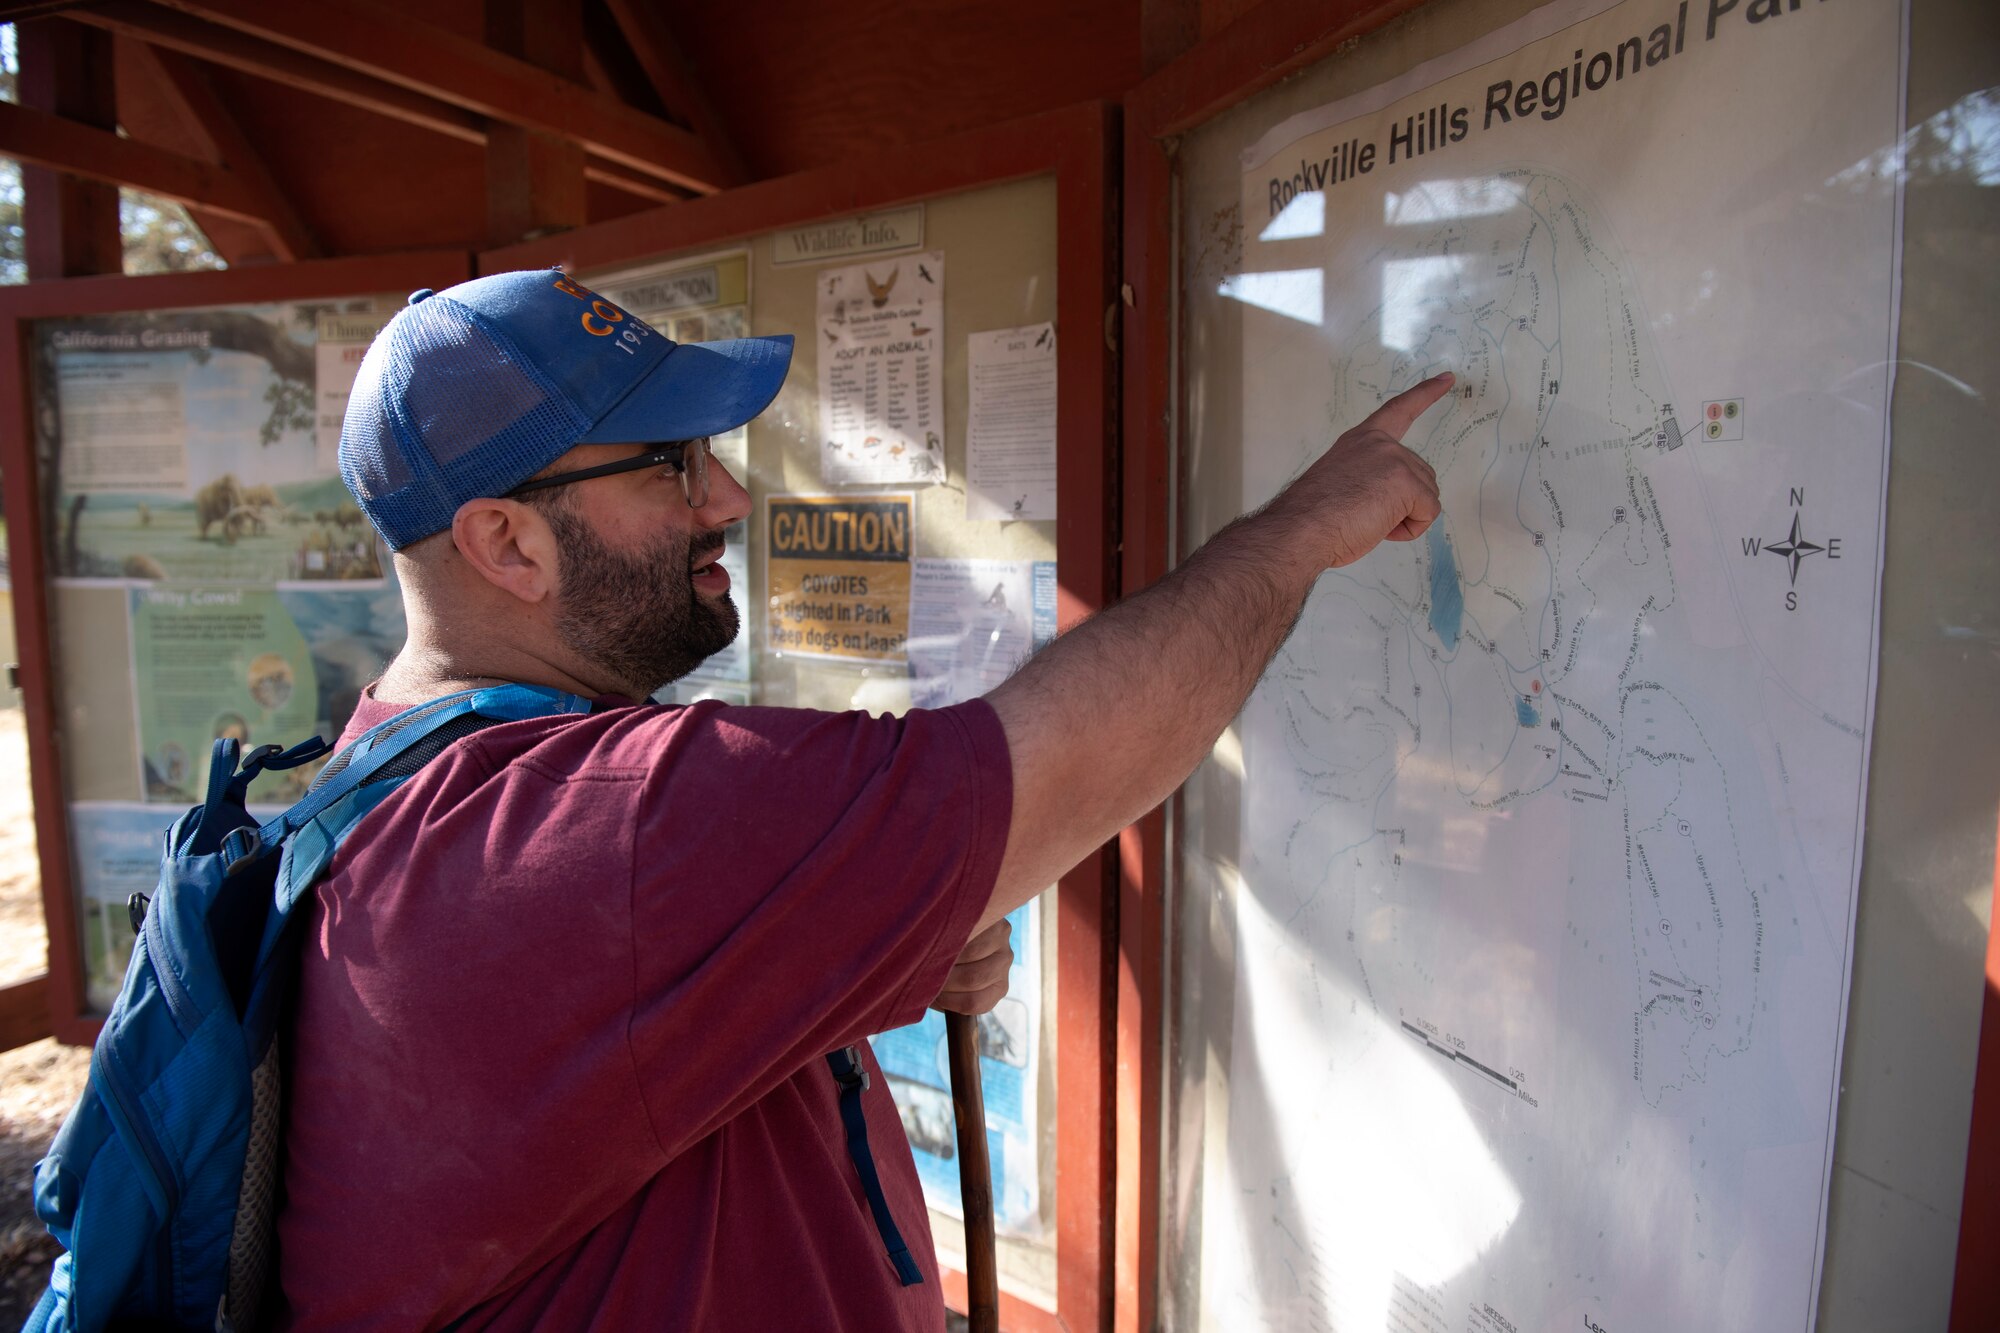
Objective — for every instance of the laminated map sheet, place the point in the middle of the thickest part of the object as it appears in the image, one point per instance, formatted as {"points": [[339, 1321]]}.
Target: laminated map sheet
{"points": [[1550, 821]]}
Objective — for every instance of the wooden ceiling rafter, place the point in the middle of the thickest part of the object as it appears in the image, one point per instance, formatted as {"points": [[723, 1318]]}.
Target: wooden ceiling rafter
{"points": [[26, 11], [69, 146], [187, 88], [385, 44], [172, 31], [633, 182], [69, 221], [614, 70], [667, 68], [594, 72], [167, 30]]}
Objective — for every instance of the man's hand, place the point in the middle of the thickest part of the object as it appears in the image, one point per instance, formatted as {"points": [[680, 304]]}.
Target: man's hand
{"points": [[978, 980], [1368, 488]]}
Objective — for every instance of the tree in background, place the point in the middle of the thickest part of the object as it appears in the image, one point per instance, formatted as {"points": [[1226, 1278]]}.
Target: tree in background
{"points": [[159, 235]]}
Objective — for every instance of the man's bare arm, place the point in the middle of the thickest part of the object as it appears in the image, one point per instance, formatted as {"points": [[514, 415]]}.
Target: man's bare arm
{"points": [[1104, 723]]}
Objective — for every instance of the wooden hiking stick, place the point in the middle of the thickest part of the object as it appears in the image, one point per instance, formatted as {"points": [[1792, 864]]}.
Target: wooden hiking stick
{"points": [[975, 1174]]}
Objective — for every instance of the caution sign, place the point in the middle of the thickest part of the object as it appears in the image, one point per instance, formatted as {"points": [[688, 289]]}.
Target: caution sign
{"points": [[838, 575]]}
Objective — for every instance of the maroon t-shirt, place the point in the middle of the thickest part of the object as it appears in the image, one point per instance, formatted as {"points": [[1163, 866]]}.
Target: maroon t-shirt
{"points": [[566, 1002]]}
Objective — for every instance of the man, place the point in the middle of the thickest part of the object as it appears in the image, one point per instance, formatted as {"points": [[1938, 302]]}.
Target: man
{"points": [[562, 1053]]}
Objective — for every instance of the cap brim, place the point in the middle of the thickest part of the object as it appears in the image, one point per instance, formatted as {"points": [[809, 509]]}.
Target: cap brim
{"points": [[698, 389]]}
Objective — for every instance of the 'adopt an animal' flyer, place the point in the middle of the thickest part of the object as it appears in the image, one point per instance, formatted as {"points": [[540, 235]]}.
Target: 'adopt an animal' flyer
{"points": [[880, 346]]}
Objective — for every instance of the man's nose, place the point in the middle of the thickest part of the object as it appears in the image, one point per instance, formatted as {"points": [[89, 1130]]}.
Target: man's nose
{"points": [[728, 502]]}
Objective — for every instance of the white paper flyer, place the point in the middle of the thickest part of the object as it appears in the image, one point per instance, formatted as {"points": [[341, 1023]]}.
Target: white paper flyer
{"points": [[1010, 431], [881, 372]]}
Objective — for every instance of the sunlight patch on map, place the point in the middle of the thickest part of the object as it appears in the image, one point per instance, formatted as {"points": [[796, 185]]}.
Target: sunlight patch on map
{"points": [[1414, 292], [1298, 293], [1304, 216], [1229, 753], [1390, 1126], [1441, 201]]}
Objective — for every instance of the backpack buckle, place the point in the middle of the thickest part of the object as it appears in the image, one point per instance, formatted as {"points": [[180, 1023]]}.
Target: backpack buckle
{"points": [[277, 757], [239, 847], [260, 757], [854, 1075]]}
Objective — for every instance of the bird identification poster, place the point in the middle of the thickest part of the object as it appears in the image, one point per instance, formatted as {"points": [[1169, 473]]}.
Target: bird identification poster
{"points": [[1549, 821], [881, 372]]}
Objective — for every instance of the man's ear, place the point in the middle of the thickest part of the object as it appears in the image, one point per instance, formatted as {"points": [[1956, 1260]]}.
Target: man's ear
{"points": [[510, 545]]}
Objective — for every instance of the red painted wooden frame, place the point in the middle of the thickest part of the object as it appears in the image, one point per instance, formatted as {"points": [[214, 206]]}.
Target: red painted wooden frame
{"points": [[1076, 145], [27, 551], [1273, 40]]}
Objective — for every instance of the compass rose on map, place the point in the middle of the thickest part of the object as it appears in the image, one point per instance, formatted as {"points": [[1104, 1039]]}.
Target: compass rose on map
{"points": [[1793, 548]]}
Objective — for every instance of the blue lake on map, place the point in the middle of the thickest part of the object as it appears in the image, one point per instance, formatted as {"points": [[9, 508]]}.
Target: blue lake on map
{"points": [[1524, 709], [1447, 598]]}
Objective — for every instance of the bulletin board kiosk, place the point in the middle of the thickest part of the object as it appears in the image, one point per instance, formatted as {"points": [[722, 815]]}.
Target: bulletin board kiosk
{"points": [[1585, 919]]}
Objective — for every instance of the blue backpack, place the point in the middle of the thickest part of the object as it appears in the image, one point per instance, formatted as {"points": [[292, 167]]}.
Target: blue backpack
{"points": [[163, 1183]]}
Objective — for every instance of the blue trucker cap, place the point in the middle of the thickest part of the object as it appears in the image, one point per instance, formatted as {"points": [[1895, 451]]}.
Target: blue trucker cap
{"points": [[472, 390]]}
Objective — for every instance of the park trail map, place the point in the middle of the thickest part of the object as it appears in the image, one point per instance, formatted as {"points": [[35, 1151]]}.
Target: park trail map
{"points": [[1551, 819]]}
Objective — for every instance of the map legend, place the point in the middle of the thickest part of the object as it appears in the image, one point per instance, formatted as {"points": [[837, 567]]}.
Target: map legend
{"points": [[1722, 419]]}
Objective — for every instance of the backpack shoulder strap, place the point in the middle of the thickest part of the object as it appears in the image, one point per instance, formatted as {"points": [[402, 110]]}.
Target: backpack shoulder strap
{"points": [[312, 830], [383, 743]]}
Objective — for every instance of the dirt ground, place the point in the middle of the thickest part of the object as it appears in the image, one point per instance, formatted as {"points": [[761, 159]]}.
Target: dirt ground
{"points": [[37, 1082]]}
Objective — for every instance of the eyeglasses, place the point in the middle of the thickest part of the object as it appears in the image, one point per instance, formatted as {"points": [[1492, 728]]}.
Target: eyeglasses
{"points": [[687, 457]]}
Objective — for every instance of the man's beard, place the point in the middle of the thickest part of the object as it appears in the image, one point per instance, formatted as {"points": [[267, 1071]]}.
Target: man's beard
{"points": [[637, 616]]}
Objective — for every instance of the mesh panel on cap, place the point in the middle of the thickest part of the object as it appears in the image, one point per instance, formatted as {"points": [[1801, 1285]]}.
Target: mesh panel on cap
{"points": [[457, 403], [487, 417], [370, 460], [467, 415]]}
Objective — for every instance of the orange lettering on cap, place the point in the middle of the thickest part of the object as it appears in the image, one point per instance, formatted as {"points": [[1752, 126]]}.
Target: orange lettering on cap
{"points": [[566, 284], [595, 330], [608, 312]]}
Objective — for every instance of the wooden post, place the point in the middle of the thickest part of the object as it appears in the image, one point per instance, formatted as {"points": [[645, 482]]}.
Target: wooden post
{"points": [[70, 225], [534, 180]]}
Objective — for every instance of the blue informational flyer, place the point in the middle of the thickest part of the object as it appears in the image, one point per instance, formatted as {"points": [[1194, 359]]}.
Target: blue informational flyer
{"points": [[919, 1072], [115, 851], [973, 622]]}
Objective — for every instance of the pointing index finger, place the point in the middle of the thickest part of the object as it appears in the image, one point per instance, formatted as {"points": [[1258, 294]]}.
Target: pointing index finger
{"points": [[1401, 412]]}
